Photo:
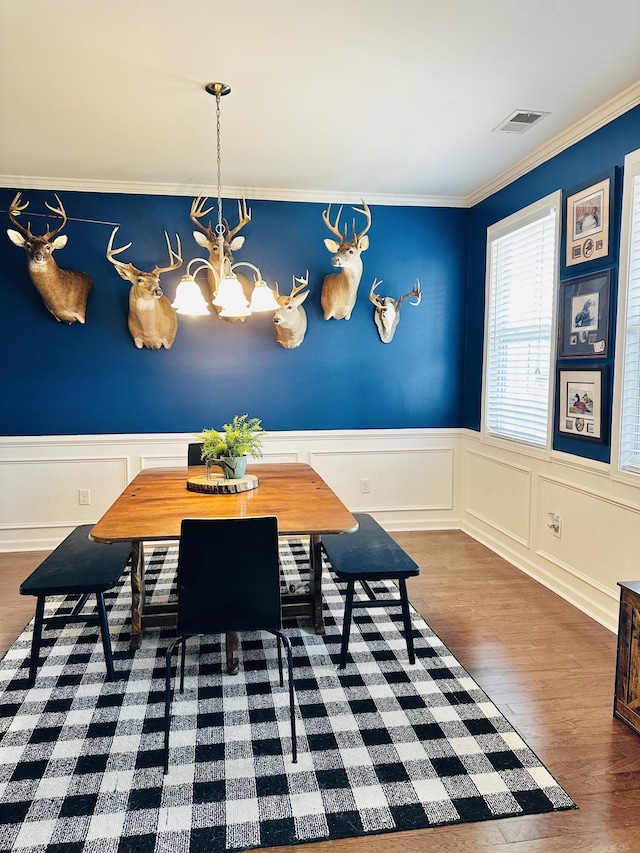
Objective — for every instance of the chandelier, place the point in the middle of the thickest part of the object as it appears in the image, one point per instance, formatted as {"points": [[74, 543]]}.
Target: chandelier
{"points": [[229, 299]]}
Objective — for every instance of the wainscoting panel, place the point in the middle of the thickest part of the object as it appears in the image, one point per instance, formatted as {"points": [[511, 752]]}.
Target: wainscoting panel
{"points": [[386, 480], [596, 534], [42, 496], [498, 494]]}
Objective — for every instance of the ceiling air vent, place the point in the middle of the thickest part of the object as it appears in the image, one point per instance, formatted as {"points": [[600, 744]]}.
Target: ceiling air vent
{"points": [[520, 121]]}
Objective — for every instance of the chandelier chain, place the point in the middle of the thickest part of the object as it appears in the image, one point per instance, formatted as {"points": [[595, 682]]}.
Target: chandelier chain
{"points": [[220, 226]]}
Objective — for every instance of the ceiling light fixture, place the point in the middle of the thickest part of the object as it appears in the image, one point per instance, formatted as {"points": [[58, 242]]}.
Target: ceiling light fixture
{"points": [[229, 297]]}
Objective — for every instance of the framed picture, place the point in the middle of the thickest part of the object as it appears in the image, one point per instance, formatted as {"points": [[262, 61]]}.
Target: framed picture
{"points": [[587, 222], [583, 316], [580, 411]]}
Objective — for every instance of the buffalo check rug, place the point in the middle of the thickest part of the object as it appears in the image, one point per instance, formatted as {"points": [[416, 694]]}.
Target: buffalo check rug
{"points": [[383, 746]]}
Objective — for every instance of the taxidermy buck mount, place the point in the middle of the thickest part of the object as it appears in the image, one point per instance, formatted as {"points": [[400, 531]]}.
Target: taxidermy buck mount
{"points": [[64, 292], [340, 289], [207, 238], [290, 318], [386, 312], [153, 322]]}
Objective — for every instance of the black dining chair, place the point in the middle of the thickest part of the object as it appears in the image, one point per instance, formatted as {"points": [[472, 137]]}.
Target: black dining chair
{"points": [[228, 580], [194, 454]]}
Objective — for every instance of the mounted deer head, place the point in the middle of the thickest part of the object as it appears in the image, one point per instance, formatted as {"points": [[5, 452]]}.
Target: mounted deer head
{"points": [[153, 322], [339, 290], [208, 239], [64, 292], [386, 313], [290, 318]]}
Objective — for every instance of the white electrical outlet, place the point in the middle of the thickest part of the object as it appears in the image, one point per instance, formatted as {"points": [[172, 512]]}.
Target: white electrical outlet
{"points": [[365, 486], [84, 497], [555, 523]]}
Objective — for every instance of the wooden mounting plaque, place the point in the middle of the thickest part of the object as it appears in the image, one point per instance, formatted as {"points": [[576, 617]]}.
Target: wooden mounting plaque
{"points": [[220, 486]]}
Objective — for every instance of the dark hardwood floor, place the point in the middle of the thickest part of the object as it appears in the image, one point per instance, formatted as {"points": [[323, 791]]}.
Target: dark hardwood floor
{"points": [[549, 668]]}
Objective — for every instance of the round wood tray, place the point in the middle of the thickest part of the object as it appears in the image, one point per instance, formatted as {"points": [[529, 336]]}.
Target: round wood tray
{"points": [[217, 485]]}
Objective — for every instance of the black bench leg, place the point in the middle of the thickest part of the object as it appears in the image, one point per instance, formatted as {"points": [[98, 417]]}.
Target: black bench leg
{"points": [[346, 625], [408, 631], [106, 637], [35, 642]]}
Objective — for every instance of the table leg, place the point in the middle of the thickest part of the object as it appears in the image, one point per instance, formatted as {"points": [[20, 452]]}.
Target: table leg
{"points": [[315, 582], [137, 593], [232, 643]]}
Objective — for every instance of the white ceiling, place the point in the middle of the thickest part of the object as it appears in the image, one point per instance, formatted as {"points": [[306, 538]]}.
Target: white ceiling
{"points": [[331, 99]]}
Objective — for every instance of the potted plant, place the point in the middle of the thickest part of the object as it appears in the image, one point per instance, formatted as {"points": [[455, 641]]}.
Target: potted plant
{"points": [[230, 448]]}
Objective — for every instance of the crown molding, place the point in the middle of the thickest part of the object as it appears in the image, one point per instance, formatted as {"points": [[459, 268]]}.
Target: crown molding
{"points": [[22, 182], [606, 113]]}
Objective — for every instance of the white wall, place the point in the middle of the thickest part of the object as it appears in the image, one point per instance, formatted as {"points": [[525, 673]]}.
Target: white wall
{"points": [[419, 480], [411, 473]]}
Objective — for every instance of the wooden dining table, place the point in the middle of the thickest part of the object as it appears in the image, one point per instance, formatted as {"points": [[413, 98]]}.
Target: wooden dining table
{"points": [[152, 507]]}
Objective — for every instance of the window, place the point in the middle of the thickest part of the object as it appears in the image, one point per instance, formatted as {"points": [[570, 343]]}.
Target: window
{"points": [[522, 255], [627, 378]]}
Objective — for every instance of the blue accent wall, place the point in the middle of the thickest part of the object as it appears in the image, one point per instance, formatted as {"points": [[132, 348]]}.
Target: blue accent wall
{"points": [[91, 379], [602, 150]]}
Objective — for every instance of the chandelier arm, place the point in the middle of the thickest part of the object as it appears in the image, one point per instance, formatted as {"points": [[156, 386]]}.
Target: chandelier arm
{"points": [[204, 264], [247, 264]]}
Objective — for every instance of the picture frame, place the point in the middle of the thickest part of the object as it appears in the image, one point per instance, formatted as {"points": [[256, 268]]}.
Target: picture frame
{"points": [[587, 233], [580, 397], [583, 316]]}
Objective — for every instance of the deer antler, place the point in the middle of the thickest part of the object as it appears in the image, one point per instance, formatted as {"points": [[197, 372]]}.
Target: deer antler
{"points": [[334, 227], [61, 212], [417, 291], [175, 258], [367, 213], [304, 282], [244, 216], [197, 213], [15, 209], [374, 296], [111, 252]]}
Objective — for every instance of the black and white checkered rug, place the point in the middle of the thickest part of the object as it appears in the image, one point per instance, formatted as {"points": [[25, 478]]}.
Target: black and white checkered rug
{"points": [[383, 746]]}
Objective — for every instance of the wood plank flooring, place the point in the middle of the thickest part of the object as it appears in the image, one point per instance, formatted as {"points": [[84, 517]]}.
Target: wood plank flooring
{"points": [[549, 668]]}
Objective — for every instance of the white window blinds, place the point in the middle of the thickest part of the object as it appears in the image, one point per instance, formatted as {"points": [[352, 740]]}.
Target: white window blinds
{"points": [[519, 340], [629, 447]]}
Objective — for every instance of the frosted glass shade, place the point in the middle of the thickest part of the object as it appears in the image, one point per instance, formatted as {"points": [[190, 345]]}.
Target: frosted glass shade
{"points": [[263, 298], [229, 293], [189, 299]]}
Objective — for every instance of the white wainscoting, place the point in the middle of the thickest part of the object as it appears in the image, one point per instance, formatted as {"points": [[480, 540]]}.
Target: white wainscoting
{"points": [[411, 475], [498, 494], [417, 480], [507, 498]]}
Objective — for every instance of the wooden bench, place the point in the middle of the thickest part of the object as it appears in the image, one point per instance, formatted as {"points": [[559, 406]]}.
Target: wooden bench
{"points": [[78, 566], [369, 555]]}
